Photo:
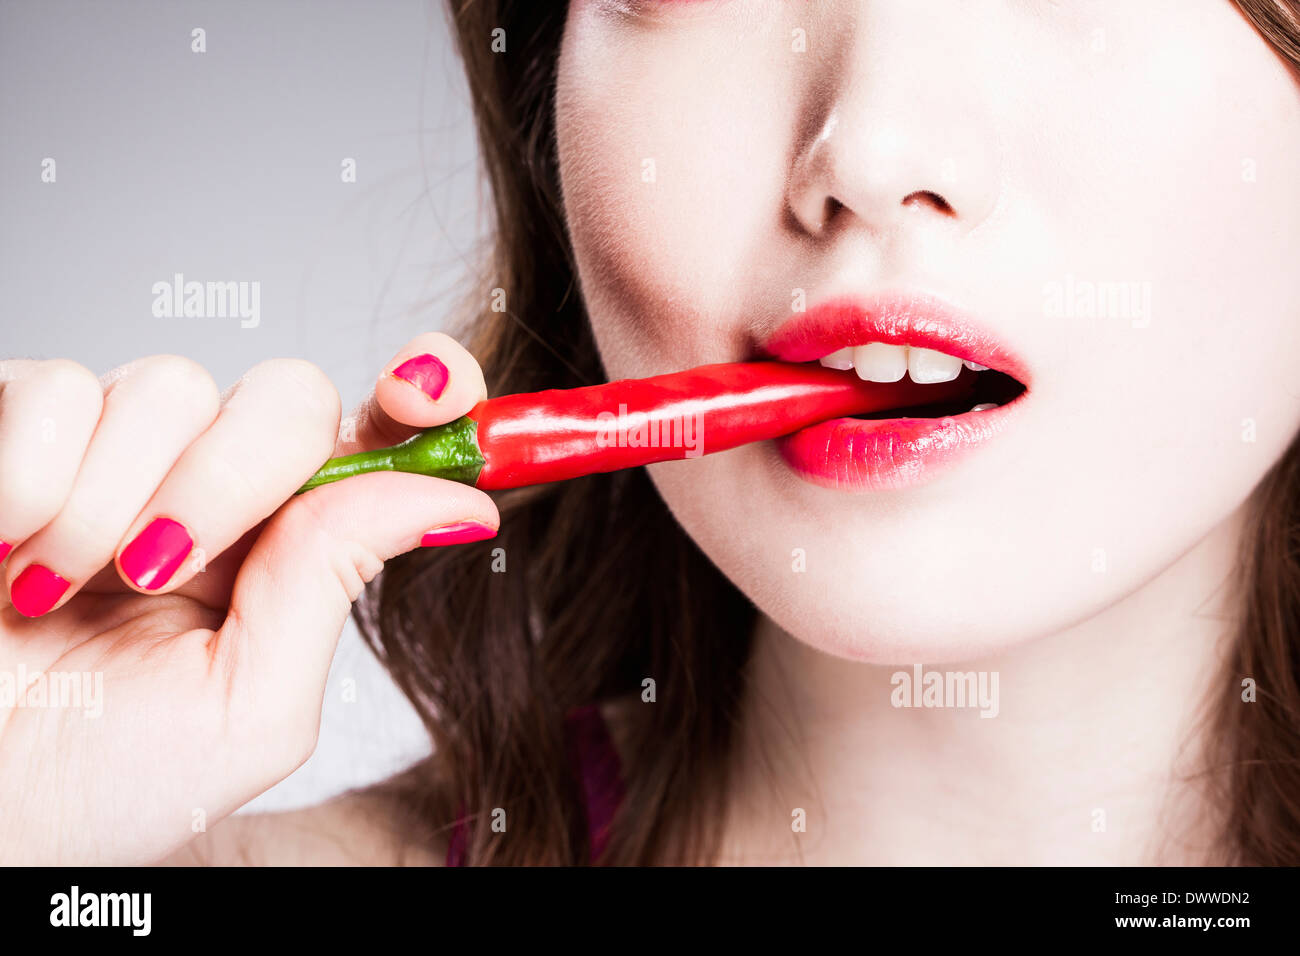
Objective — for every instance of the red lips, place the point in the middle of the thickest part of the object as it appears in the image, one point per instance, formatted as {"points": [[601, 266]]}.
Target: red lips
{"points": [[888, 454], [915, 319]]}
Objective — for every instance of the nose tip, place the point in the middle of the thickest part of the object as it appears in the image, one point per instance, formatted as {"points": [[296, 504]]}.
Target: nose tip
{"points": [[877, 177]]}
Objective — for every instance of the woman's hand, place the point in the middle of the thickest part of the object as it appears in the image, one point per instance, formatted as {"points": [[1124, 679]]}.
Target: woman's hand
{"points": [[174, 606]]}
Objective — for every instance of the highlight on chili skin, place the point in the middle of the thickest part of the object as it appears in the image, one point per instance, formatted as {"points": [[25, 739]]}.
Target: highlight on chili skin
{"points": [[851, 432]]}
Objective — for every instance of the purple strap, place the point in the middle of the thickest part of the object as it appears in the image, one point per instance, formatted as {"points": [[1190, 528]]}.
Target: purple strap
{"points": [[594, 760]]}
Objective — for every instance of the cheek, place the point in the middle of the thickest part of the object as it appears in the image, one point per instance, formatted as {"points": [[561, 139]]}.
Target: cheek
{"points": [[1168, 292], [1165, 189], [672, 172]]}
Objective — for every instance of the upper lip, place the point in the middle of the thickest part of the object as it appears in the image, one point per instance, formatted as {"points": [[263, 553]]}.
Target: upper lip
{"points": [[915, 319]]}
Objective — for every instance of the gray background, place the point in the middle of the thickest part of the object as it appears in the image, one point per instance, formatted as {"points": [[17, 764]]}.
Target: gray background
{"points": [[225, 166]]}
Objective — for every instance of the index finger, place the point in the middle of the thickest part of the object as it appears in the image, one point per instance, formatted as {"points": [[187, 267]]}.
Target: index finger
{"points": [[430, 381]]}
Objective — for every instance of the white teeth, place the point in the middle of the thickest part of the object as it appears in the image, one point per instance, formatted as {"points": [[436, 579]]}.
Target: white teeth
{"points": [[881, 362], [928, 367], [842, 360], [984, 407], [878, 362]]}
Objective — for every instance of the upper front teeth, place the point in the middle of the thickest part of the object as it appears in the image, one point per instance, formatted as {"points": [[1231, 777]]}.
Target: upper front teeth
{"points": [[879, 362]]}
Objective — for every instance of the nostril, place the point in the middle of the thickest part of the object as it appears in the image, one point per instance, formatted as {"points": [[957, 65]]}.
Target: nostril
{"points": [[830, 211], [929, 198]]}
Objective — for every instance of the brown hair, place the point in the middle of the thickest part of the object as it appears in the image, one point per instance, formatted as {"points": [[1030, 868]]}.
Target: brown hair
{"points": [[1255, 737], [602, 590]]}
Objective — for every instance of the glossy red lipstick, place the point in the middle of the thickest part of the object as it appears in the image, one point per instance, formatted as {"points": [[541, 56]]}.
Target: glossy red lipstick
{"points": [[852, 454]]}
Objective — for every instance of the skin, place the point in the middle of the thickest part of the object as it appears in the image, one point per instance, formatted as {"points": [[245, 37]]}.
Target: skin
{"points": [[1104, 141], [1057, 150], [193, 672]]}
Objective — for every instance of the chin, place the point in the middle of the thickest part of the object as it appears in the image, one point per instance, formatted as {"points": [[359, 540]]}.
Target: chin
{"points": [[877, 625]]}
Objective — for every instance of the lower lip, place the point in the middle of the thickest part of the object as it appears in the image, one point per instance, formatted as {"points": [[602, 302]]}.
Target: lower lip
{"points": [[850, 454]]}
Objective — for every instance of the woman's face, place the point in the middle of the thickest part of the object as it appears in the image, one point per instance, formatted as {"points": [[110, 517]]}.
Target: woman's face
{"points": [[1104, 190]]}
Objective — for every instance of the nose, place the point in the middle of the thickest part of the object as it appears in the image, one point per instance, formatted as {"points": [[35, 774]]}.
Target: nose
{"points": [[899, 133]]}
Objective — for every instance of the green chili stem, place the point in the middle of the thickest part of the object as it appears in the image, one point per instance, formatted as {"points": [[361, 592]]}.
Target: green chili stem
{"points": [[446, 451]]}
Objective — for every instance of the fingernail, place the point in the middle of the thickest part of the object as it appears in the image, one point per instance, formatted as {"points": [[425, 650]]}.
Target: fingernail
{"points": [[36, 590], [155, 553], [5, 548], [458, 533], [425, 372]]}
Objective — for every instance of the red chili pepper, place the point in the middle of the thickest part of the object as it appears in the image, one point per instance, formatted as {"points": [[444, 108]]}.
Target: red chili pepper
{"points": [[538, 437]]}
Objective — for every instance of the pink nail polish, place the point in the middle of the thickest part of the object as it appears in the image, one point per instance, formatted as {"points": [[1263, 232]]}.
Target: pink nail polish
{"points": [[36, 590], [425, 372], [155, 553], [5, 548], [459, 533]]}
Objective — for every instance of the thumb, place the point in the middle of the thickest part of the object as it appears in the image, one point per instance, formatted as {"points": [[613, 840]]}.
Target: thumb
{"points": [[295, 588]]}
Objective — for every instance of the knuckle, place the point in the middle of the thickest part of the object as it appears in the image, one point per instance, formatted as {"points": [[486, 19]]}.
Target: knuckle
{"points": [[301, 381], [69, 380], [181, 379], [313, 406]]}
